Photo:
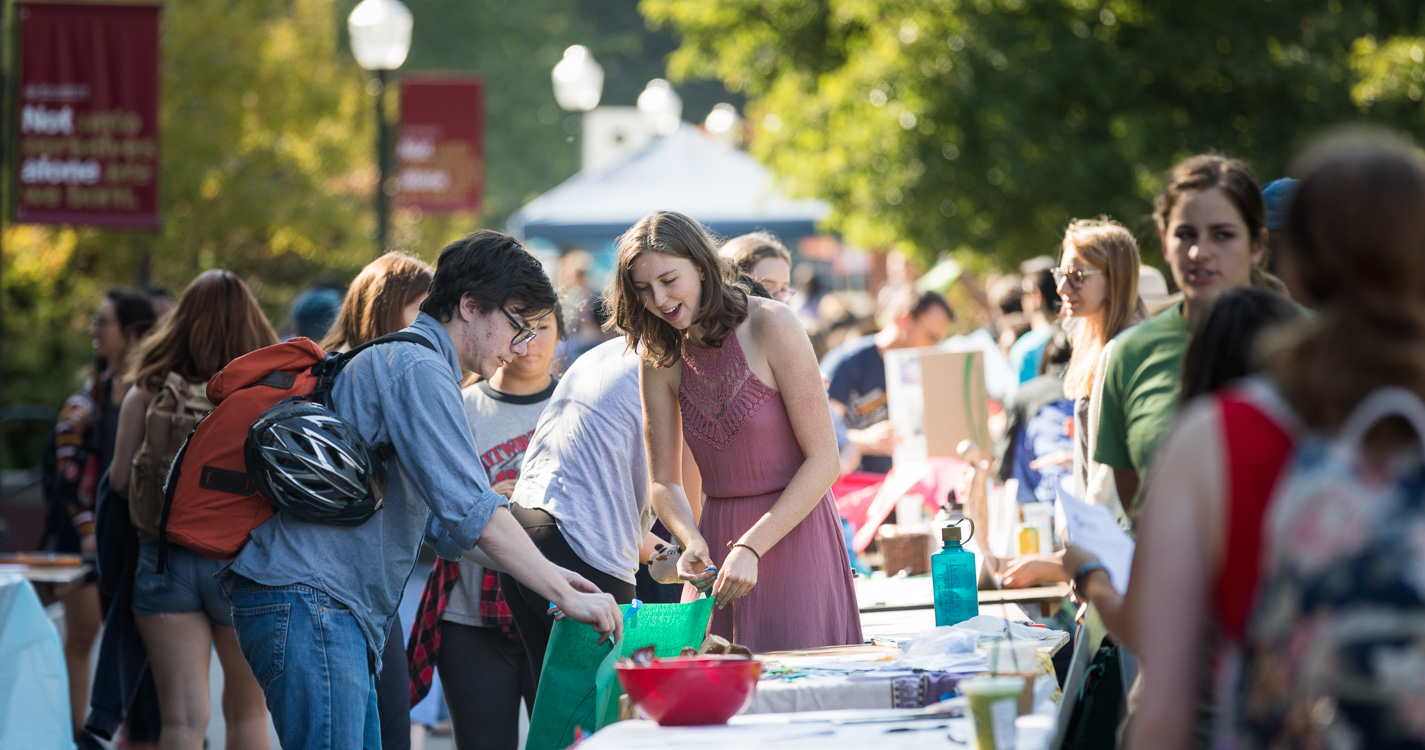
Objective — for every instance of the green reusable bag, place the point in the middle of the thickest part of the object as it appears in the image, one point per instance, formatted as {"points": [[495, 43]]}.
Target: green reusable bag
{"points": [[668, 628], [569, 689]]}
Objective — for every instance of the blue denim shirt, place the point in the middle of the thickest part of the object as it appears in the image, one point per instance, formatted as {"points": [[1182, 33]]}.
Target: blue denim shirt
{"points": [[409, 396]]}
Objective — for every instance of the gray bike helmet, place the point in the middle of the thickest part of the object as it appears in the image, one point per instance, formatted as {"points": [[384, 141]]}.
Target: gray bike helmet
{"points": [[311, 463]]}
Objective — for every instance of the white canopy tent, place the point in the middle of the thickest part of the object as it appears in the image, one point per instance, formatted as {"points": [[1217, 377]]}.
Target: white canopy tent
{"points": [[687, 171]]}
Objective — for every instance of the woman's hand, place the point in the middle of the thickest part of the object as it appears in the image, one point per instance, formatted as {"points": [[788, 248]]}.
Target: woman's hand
{"points": [[737, 577], [663, 567], [1075, 558], [506, 488], [695, 564], [1033, 570]]}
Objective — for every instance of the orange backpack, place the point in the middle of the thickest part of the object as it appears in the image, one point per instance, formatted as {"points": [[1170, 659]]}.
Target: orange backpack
{"points": [[211, 505]]}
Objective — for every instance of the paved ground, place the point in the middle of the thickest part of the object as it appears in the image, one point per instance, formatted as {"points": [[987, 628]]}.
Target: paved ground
{"points": [[215, 679]]}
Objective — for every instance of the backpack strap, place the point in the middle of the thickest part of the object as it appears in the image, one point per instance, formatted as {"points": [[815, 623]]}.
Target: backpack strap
{"points": [[406, 336], [328, 369], [169, 484]]}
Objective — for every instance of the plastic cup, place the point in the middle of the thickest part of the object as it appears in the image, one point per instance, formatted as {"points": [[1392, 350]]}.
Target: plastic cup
{"points": [[1017, 659], [1014, 657], [994, 705]]}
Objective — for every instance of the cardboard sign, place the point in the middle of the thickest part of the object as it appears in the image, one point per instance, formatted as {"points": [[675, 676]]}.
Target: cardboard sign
{"points": [[936, 399]]}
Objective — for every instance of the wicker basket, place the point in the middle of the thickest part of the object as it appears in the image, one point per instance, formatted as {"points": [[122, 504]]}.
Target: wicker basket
{"points": [[909, 552]]}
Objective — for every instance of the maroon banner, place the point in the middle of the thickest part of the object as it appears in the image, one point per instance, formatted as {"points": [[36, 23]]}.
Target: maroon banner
{"points": [[440, 153], [88, 150]]}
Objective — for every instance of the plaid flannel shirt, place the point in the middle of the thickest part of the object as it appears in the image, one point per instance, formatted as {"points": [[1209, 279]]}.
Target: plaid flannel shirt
{"points": [[424, 643]]}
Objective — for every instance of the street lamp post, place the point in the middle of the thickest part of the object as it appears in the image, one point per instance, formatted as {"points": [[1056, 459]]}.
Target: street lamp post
{"points": [[578, 80], [578, 85], [662, 106], [380, 33]]}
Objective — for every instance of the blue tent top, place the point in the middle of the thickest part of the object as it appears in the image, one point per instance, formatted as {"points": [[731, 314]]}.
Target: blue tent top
{"points": [[689, 172]]}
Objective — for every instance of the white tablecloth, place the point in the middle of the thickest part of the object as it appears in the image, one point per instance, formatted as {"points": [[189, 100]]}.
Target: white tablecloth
{"points": [[34, 687], [823, 730], [775, 732]]}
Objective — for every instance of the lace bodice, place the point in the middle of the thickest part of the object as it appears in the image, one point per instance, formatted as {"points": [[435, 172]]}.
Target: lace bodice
{"points": [[718, 392]]}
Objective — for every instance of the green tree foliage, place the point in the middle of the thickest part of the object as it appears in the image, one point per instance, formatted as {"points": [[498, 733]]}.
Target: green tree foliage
{"points": [[986, 124]]}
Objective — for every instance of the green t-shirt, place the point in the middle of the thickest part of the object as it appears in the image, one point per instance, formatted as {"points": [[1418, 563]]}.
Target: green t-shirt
{"points": [[1140, 391]]}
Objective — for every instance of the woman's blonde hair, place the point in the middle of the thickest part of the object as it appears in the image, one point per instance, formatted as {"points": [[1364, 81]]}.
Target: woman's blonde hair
{"points": [[216, 321], [1355, 245], [746, 251], [1107, 246], [723, 303], [376, 301]]}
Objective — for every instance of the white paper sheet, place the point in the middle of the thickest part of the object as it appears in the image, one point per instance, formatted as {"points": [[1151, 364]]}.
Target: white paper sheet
{"points": [[1094, 528], [1004, 519]]}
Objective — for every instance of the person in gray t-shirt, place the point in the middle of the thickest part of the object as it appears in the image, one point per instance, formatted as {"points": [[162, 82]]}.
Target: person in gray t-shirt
{"points": [[582, 489]]}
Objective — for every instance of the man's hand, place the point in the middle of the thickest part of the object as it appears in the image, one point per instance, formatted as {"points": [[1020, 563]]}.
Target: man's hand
{"points": [[737, 577], [506, 488], [88, 547], [597, 610], [879, 439], [1057, 458], [578, 582]]}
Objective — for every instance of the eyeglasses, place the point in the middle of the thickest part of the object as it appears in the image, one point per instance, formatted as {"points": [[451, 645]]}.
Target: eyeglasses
{"points": [[524, 334], [783, 295], [1074, 276]]}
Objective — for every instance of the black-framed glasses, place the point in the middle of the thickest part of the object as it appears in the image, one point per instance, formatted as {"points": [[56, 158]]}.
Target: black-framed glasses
{"points": [[524, 334], [1073, 275]]}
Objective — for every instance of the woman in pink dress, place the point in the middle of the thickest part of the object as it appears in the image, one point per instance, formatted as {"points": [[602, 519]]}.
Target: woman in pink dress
{"points": [[736, 377]]}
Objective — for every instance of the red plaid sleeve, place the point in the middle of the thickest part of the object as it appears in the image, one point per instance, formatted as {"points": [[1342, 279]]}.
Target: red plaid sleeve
{"points": [[424, 643], [494, 611]]}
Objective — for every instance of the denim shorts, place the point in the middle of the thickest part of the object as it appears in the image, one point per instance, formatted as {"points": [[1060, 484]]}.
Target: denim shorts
{"points": [[185, 585]]}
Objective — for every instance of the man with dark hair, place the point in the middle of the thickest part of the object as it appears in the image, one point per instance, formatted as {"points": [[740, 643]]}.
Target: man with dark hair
{"points": [[312, 602], [857, 370]]}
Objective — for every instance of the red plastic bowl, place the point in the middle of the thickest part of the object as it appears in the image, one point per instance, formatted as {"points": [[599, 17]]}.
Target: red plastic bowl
{"points": [[691, 690]]}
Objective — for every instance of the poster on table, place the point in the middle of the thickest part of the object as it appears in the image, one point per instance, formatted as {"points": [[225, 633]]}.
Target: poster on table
{"points": [[440, 151], [935, 399], [87, 141]]}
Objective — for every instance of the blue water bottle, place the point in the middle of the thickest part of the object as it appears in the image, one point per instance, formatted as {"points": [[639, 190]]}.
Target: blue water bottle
{"points": [[952, 573]]}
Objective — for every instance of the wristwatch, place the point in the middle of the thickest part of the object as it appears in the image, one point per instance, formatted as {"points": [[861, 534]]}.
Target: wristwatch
{"points": [[1083, 572]]}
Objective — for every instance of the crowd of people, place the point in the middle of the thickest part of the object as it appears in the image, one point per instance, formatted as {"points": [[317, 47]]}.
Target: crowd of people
{"points": [[694, 437]]}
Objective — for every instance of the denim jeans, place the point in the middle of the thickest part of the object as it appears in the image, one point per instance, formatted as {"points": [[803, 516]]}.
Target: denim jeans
{"points": [[310, 657]]}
